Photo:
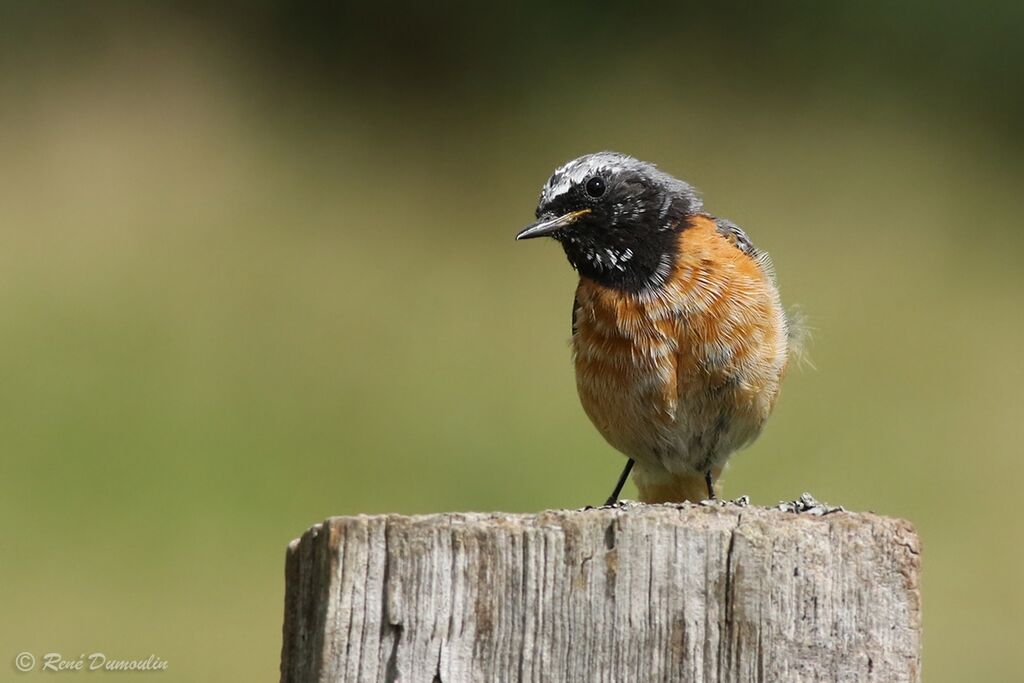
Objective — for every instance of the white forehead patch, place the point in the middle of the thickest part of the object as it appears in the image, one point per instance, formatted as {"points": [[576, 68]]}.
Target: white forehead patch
{"points": [[578, 170], [568, 175]]}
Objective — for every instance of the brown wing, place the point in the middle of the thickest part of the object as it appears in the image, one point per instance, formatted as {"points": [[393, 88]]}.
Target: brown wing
{"points": [[735, 234], [738, 238]]}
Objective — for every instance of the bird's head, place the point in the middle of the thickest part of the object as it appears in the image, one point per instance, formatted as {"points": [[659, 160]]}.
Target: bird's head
{"points": [[617, 218]]}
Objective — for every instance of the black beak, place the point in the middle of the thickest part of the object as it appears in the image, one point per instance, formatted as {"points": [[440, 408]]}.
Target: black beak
{"points": [[547, 225]]}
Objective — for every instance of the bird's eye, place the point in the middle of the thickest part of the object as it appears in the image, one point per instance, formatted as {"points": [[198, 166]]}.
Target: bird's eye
{"points": [[595, 187]]}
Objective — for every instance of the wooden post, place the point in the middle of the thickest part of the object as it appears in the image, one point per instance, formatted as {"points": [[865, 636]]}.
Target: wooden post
{"points": [[720, 592]]}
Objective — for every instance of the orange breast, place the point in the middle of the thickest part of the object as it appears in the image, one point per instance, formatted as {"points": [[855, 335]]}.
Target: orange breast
{"points": [[678, 377]]}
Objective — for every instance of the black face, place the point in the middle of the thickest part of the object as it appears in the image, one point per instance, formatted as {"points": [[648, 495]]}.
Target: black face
{"points": [[617, 218]]}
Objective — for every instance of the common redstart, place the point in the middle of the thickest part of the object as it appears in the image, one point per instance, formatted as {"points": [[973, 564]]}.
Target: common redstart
{"points": [[679, 338]]}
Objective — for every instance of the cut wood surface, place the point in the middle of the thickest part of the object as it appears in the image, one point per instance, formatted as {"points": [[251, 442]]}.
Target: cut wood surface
{"points": [[721, 592]]}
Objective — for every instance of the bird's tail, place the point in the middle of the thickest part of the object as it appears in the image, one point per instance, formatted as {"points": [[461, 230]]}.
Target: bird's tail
{"points": [[666, 487], [798, 333]]}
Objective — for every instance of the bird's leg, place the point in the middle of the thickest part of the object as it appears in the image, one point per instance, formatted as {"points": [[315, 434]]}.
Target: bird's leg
{"points": [[711, 485], [614, 498]]}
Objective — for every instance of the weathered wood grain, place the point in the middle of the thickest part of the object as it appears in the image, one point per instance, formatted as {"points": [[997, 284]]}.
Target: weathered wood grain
{"points": [[635, 593]]}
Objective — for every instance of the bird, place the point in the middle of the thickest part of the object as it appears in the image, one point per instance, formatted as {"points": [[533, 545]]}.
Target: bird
{"points": [[680, 340]]}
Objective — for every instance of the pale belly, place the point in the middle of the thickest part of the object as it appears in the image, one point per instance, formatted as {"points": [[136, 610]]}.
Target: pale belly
{"points": [[681, 424], [677, 394]]}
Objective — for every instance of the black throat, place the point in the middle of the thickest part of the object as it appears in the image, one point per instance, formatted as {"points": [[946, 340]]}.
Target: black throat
{"points": [[623, 260]]}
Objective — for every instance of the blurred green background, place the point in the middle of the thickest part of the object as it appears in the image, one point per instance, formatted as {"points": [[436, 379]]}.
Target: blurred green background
{"points": [[257, 268]]}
